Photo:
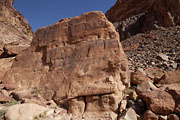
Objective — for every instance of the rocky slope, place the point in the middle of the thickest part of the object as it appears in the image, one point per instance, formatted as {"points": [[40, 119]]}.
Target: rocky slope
{"points": [[135, 16], [15, 34], [157, 48]]}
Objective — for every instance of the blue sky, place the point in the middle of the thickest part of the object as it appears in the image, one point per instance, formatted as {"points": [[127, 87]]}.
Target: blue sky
{"points": [[41, 13]]}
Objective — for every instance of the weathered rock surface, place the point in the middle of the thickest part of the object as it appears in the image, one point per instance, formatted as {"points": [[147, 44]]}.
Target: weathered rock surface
{"points": [[159, 102], [173, 117], [138, 78], [72, 59], [15, 33], [135, 16], [26, 112], [171, 77], [145, 86], [5, 65], [174, 90], [4, 98], [149, 115], [154, 73]]}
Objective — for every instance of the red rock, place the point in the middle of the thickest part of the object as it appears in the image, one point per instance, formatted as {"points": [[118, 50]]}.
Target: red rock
{"points": [[76, 57], [159, 102], [154, 73], [4, 98], [20, 94], [138, 78], [149, 115], [171, 77], [145, 86], [175, 92], [5, 65]]}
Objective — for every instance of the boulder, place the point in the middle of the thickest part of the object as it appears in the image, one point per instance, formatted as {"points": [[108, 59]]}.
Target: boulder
{"points": [[149, 115], [138, 78], [145, 86], [122, 106], [133, 96], [154, 73], [175, 92], [171, 77], [76, 57], [172, 117], [159, 102], [26, 112]]}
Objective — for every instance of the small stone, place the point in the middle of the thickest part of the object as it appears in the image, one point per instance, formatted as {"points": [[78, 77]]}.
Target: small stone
{"points": [[172, 117], [5, 92], [133, 95], [131, 103], [128, 114], [51, 104], [149, 115], [140, 102], [163, 57], [122, 106], [163, 117], [174, 65]]}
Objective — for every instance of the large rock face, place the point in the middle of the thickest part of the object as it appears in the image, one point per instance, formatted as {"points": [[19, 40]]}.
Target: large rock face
{"points": [[136, 16], [15, 32], [72, 59]]}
